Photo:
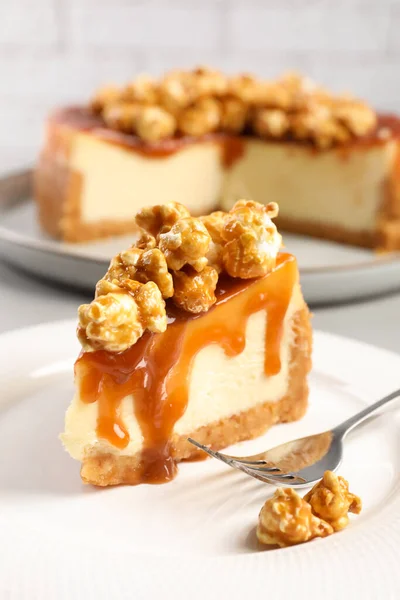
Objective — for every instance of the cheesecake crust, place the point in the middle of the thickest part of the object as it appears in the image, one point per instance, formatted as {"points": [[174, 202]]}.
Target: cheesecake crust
{"points": [[111, 469], [386, 237]]}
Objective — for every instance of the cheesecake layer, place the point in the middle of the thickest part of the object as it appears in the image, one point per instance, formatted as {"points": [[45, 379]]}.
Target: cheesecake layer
{"points": [[235, 359], [343, 188], [90, 181]]}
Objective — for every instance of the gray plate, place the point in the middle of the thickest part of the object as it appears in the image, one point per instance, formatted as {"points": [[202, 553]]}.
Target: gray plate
{"points": [[330, 272]]}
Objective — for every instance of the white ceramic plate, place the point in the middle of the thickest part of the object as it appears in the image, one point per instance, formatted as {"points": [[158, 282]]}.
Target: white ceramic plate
{"points": [[193, 538], [330, 272]]}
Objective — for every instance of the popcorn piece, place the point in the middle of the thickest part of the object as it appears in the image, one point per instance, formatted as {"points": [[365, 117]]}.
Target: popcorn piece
{"points": [[143, 90], [274, 95], [286, 519], [118, 317], [149, 265], [356, 116], [104, 96], [176, 91], [146, 241], [194, 292], [160, 218], [208, 82], [151, 307], [186, 243], [201, 118], [331, 500], [154, 123], [121, 115], [141, 265], [110, 322], [251, 240], [245, 87], [214, 224], [270, 122], [318, 124]]}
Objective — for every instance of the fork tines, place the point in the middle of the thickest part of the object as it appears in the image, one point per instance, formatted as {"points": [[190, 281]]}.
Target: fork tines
{"points": [[259, 469]]}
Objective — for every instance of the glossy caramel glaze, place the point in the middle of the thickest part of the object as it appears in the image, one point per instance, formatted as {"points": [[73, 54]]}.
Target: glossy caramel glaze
{"points": [[156, 370], [232, 146]]}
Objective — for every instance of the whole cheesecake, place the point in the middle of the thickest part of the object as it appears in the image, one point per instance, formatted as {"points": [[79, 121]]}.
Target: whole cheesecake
{"points": [[198, 330], [206, 140]]}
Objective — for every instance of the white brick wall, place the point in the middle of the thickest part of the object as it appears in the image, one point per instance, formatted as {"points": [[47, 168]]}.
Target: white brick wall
{"points": [[56, 51]]}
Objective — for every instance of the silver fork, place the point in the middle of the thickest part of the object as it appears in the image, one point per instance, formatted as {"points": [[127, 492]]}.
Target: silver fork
{"points": [[301, 462]]}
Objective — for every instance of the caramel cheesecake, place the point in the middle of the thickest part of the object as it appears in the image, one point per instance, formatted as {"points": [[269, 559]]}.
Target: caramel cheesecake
{"points": [[206, 140], [198, 330]]}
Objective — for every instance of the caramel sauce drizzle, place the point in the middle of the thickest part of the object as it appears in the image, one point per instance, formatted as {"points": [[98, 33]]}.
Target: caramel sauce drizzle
{"points": [[156, 370], [232, 146]]}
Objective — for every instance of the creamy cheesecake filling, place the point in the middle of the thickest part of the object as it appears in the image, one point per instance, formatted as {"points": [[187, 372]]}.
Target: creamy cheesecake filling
{"points": [[342, 188], [144, 180], [183, 379], [338, 187]]}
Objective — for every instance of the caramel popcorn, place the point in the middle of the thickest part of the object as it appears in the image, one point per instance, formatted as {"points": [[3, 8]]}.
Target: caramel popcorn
{"points": [[270, 122], [177, 257], [115, 319], [286, 519], [251, 240], [176, 92], [149, 265], [208, 82], [121, 116], [142, 90], [319, 125], [246, 88], [214, 223], [186, 243], [194, 292], [331, 500], [203, 100], [357, 117], [104, 96], [201, 118], [154, 123], [146, 241], [160, 218]]}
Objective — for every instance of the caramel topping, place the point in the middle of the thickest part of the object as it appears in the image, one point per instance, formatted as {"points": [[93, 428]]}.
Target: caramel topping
{"points": [[156, 370], [203, 101]]}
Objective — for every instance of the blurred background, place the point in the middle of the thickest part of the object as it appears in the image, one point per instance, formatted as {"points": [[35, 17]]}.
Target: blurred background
{"points": [[58, 51]]}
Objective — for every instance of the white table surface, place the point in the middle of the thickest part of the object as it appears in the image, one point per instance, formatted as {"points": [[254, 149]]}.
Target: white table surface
{"points": [[26, 301]]}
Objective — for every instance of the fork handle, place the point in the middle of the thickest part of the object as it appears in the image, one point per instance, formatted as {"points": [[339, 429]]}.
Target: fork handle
{"points": [[344, 428]]}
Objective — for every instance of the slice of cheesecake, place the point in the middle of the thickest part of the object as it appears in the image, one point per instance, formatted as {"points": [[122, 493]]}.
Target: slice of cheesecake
{"points": [[206, 140], [199, 330]]}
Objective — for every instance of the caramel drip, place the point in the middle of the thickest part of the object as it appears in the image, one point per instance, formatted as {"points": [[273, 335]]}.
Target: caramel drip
{"points": [[233, 149], [156, 370]]}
